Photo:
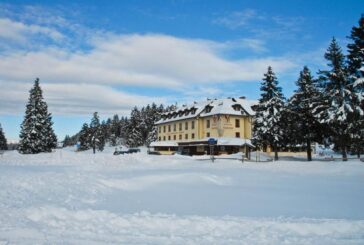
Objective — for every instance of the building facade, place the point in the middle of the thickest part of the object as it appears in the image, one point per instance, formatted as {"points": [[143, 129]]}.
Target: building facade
{"points": [[188, 128]]}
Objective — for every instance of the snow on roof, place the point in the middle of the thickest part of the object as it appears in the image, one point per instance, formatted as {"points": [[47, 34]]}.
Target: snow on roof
{"points": [[230, 106], [234, 141], [164, 143]]}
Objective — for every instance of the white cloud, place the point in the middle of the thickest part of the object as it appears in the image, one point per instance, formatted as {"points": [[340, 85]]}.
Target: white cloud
{"points": [[144, 60], [20, 32], [264, 26], [72, 99], [238, 18], [78, 81]]}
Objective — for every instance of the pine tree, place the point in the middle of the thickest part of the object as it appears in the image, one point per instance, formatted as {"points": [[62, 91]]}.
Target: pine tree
{"points": [[336, 109], [153, 117], [36, 133], [152, 136], [356, 77], [66, 141], [134, 134], [306, 128], [3, 141], [267, 124], [84, 138], [97, 140]]}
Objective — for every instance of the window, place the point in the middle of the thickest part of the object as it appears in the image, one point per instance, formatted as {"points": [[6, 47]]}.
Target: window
{"points": [[160, 129], [186, 136], [159, 138], [180, 136], [208, 109], [207, 123], [207, 134], [237, 135], [174, 137], [164, 137], [186, 125], [169, 128], [237, 123], [169, 137], [180, 127], [164, 129], [193, 124], [192, 136], [174, 127]]}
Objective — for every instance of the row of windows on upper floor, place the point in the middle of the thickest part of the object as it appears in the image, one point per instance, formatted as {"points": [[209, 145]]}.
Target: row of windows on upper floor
{"points": [[175, 127], [237, 135], [208, 125]]}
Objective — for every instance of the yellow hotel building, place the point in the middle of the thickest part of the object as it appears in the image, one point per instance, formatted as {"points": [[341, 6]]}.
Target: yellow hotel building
{"points": [[188, 128]]}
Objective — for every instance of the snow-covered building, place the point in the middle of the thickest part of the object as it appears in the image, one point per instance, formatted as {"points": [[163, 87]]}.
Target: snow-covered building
{"points": [[189, 127]]}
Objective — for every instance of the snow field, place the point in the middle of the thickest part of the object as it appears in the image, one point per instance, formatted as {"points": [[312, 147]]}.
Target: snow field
{"points": [[81, 198]]}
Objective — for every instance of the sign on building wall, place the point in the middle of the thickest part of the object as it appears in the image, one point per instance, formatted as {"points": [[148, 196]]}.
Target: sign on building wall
{"points": [[221, 122]]}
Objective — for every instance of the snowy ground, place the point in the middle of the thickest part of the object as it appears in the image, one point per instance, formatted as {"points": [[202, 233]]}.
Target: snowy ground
{"points": [[81, 198]]}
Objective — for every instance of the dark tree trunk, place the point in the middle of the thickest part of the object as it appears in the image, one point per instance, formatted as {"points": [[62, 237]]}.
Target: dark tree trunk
{"points": [[309, 151], [358, 154], [345, 156], [275, 153], [94, 146]]}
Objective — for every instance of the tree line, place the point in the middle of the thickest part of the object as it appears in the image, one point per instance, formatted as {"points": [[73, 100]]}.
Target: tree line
{"points": [[137, 130], [328, 109]]}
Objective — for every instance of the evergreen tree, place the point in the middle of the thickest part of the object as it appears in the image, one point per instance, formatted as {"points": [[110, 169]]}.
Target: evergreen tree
{"points": [[66, 141], [356, 77], [71, 140], [3, 141], [36, 133], [97, 140], [123, 131], [336, 109], [153, 117], [84, 138], [134, 133], [304, 125], [152, 136], [267, 124], [114, 130]]}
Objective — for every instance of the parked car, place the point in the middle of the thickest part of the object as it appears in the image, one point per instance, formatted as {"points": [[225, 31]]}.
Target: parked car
{"points": [[134, 150], [122, 152]]}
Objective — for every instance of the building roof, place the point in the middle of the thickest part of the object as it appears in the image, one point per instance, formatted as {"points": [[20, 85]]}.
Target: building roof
{"points": [[230, 106]]}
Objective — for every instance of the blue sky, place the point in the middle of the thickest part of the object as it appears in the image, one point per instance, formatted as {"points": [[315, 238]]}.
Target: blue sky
{"points": [[108, 56]]}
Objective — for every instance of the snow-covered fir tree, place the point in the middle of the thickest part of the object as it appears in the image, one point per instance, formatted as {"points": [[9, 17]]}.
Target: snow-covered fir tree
{"points": [[152, 136], [3, 141], [356, 77], [97, 140], [84, 138], [115, 130], [66, 141], [36, 133], [267, 123], [336, 109], [154, 115], [134, 132], [304, 125]]}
